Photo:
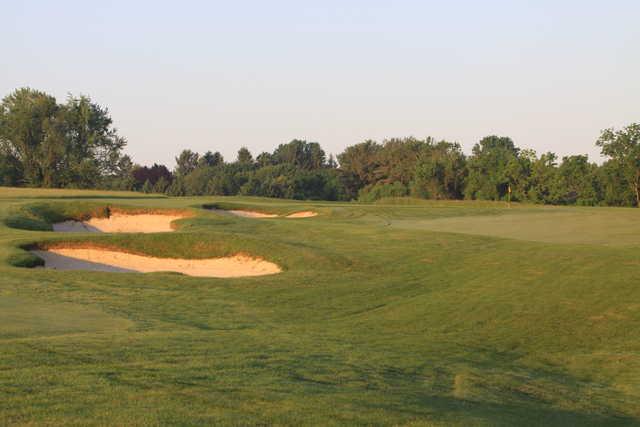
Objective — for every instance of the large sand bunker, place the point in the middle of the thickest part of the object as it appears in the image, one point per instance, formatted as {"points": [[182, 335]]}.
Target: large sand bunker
{"points": [[121, 223], [96, 259]]}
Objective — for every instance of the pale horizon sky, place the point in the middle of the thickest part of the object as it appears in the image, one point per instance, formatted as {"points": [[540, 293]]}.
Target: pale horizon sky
{"points": [[220, 75]]}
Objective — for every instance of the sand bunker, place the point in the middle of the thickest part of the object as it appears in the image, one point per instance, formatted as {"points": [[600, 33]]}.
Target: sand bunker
{"points": [[120, 223], [303, 214], [114, 261], [255, 214], [252, 214]]}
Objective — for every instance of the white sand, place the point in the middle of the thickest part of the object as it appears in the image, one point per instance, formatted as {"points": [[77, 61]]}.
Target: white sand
{"points": [[303, 214], [120, 223], [252, 214], [255, 214], [115, 261]]}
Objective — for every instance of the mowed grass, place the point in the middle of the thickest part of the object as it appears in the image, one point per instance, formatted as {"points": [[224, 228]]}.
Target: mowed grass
{"points": [[598, 226], [399, 313]]}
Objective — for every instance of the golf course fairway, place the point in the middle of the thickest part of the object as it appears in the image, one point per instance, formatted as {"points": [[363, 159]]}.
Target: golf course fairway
{"points": [[402, 312]]}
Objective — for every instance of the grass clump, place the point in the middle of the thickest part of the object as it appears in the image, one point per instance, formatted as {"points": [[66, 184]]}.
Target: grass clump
{"points": [[42, 216], [24, 259]]}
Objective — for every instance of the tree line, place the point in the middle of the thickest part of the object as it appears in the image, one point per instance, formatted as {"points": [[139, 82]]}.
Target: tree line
{"points": [[74, 145]]}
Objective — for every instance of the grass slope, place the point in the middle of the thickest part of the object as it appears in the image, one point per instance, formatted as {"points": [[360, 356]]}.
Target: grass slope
{"points": [[382, 316]]}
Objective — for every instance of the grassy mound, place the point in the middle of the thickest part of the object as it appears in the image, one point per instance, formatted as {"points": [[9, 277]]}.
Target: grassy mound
{"points": [[42, 216]]}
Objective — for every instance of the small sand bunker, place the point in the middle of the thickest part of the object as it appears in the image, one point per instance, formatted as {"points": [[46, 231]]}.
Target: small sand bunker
{"points": [[255, 214], [303, 214], [121, 223], [115, 261], [252, 214]]}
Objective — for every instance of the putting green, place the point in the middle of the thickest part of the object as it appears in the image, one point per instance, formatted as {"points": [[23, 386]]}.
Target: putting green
{"points": [[599, 226]]}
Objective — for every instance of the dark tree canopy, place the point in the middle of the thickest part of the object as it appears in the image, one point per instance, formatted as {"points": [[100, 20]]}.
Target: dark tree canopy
{"points": [[358, 164], [301, 154], [492, 166], [440, 171], [74, 144], [142, 174], [244, 157], [623, 148], [210, 159]]}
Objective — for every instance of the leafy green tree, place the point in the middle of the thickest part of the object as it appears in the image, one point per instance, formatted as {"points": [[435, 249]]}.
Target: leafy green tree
{"points": [[69, 145], [244, 157], [577, 181], [211, 159], [74, 144], [301, 154], [147, 187], [93, 146], [316, 184], [381, 190], [271, 181], [518, 175], [623, 148], [615, 187], [196, 183], [491, 168], [141, 174], [544, 180], [26, 121], [87, 175], [315, 156], [53, 158], [332, 163], [10, 170], [332, 188], [161, 185], [186, 162], [224, 182], [176, 188], [397, 158], [439, 171], [122, 178], [264, 159], [358, 164]]}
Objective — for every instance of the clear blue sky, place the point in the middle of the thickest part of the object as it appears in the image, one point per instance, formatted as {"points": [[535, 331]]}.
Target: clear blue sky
{"points": [[222, 74]]}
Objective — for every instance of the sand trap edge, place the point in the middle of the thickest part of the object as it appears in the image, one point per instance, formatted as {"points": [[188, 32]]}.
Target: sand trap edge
{"points": [[302, 214], [243, 213], [96, 258], [120, 221], [251, 214]]}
